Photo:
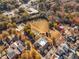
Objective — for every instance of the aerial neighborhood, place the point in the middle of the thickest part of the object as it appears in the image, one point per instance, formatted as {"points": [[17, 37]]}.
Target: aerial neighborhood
{"points": [[39, 29]]}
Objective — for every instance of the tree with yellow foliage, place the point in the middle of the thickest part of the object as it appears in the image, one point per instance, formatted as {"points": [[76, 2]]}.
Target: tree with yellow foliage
{"points": [[9, 25], [24, 55], [5, 34], [35, 54], [27, 28], [14, 24]]}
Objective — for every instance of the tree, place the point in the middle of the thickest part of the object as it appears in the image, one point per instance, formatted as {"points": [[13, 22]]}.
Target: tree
{"points": [[41, 5], [25, 16], [9, 25], [41, 1], [5, 34], [14, 25], [35, 55], [27, 28], [3, 25], [24, 55], [3, 17], [21, 10]]}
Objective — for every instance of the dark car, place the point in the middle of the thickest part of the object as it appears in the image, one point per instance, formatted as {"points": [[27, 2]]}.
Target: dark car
{"points": [[1, 42]]}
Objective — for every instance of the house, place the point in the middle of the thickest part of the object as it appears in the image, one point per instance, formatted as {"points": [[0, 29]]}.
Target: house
{"points": [[9, 13], [32, 11], [10, 53], [15, 49], [18, 45], [43, 46]]}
